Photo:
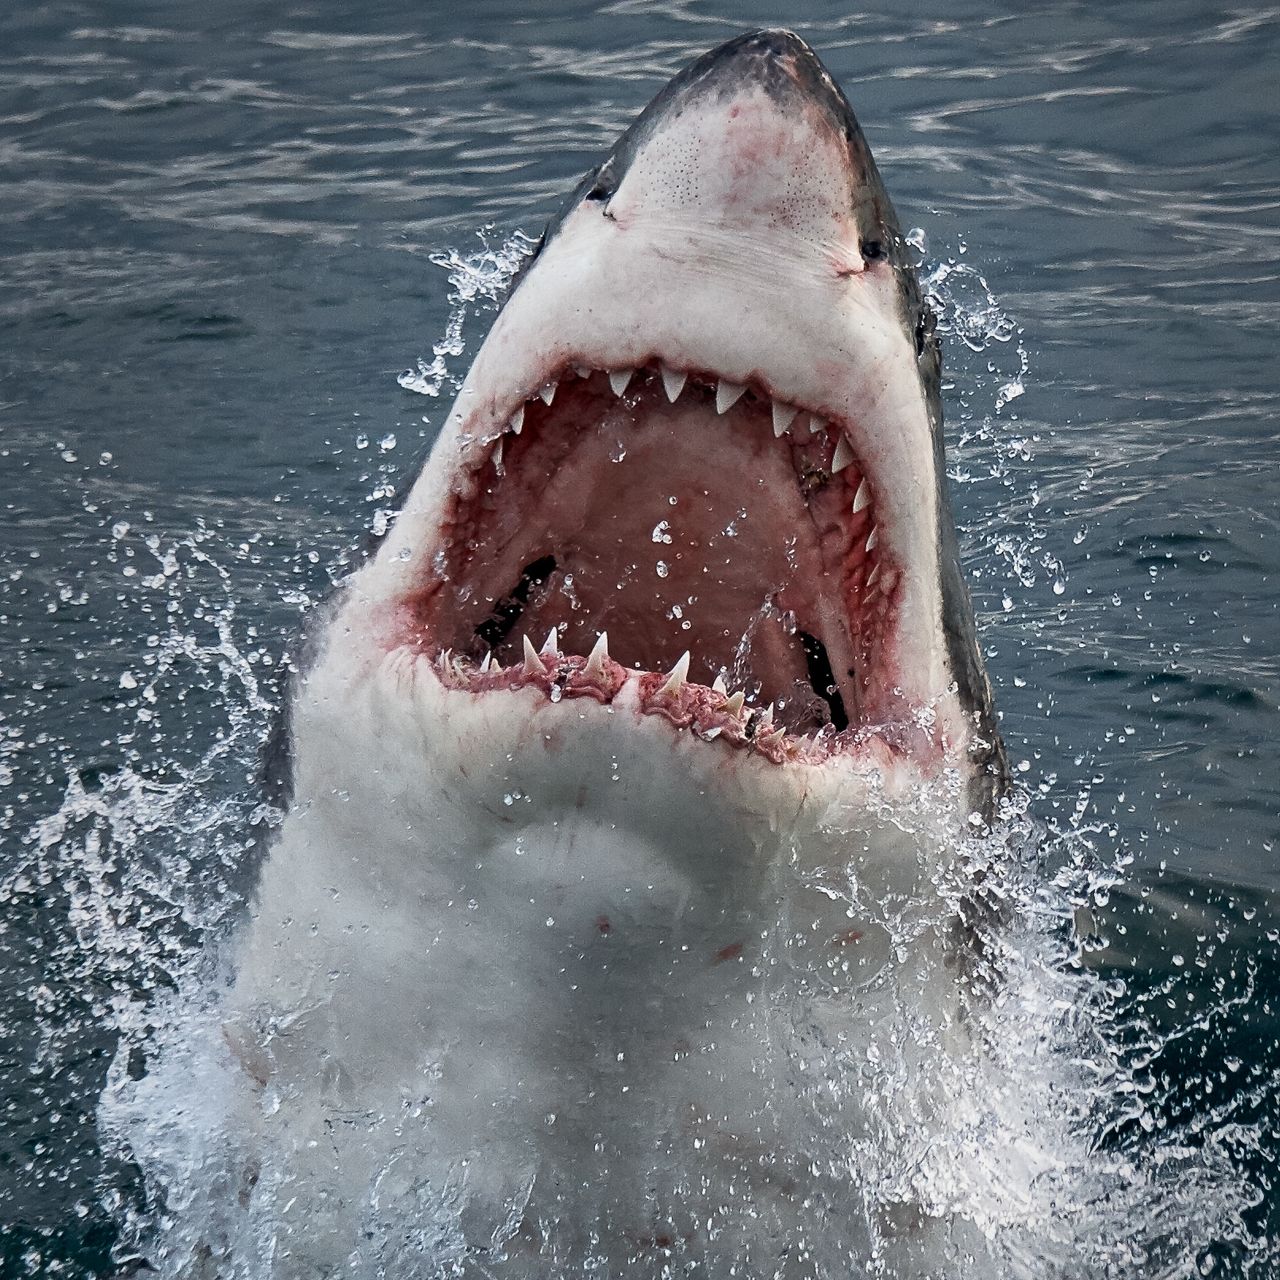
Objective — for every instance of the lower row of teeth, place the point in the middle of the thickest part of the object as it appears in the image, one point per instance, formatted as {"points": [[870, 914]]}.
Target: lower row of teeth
{"points": [[730, 713]]}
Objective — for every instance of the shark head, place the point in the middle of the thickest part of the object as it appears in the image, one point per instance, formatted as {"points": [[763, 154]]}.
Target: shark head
{"points": [[692, 489], [609, 737]]}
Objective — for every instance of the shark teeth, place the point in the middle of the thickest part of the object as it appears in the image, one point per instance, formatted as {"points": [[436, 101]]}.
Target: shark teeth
{"points": [[679, 673], [728, 394], [872, 538], [599, 655], [783, 416], [532, 663], [707, 714]]}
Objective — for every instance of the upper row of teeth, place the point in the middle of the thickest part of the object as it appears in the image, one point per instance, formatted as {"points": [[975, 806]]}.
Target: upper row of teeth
{"points": [[727, 395], [673, 383]]}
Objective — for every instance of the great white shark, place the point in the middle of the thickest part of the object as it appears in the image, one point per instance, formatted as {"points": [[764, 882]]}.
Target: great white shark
{"points": [[632, 761]]}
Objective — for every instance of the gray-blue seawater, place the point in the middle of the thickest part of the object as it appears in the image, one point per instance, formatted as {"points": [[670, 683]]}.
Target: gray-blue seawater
{"points": [[245, 252]]}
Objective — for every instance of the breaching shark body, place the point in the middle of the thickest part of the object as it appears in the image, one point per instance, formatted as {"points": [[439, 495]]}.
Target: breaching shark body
{"points": [[626, 774]]}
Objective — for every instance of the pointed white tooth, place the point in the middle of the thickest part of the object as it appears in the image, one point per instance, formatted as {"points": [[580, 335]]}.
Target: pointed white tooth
{"points": [[873, 537], [618, 379], [766, 717], [532, 663], [673, 381], [582, 370], [842, 457], [548, 393], [718, 686], [727, 394], [783, 416], [551, 646], [734, 705], [874, 574], [442, 659], [863, 497], [516, 425], [596, 658], [679, 673], [817, 424], [710, 735], [486, 662], [497, 454]]}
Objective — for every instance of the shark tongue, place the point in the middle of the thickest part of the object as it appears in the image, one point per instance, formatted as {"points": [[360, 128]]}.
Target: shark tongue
{"points": [[679, 514]]}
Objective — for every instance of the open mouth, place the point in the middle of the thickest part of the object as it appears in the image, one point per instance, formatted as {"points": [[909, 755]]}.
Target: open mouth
{"points": [[666, 530]]}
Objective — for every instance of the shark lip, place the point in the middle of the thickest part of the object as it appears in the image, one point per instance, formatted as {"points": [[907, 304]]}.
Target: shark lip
{"points": [[723, 545]]}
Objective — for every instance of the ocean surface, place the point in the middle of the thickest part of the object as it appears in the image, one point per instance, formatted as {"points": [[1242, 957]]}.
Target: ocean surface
{"points": [[245, 251]]}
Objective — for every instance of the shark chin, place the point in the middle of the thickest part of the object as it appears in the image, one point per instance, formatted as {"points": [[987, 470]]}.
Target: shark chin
{"points": [[627, 774]]}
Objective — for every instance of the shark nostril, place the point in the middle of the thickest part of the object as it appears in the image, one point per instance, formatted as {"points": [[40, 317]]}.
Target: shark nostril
{"points": [[873, 250]]}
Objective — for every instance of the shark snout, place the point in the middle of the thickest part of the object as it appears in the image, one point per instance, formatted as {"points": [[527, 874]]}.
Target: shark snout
{"points": [[754, 138]]}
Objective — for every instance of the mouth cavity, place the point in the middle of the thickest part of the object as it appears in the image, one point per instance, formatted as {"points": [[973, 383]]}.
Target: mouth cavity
{"points": [[691, 540]]}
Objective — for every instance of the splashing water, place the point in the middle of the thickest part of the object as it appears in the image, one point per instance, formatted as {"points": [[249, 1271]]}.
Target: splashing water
{"points": [[1054, 1145], [482, 276]]}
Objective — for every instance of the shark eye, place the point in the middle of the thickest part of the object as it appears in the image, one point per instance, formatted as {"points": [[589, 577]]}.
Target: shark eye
{"points": [[872, 250]]}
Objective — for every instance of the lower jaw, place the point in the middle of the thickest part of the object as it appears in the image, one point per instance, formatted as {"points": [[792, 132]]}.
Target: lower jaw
{"points": [[710, 716]]}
